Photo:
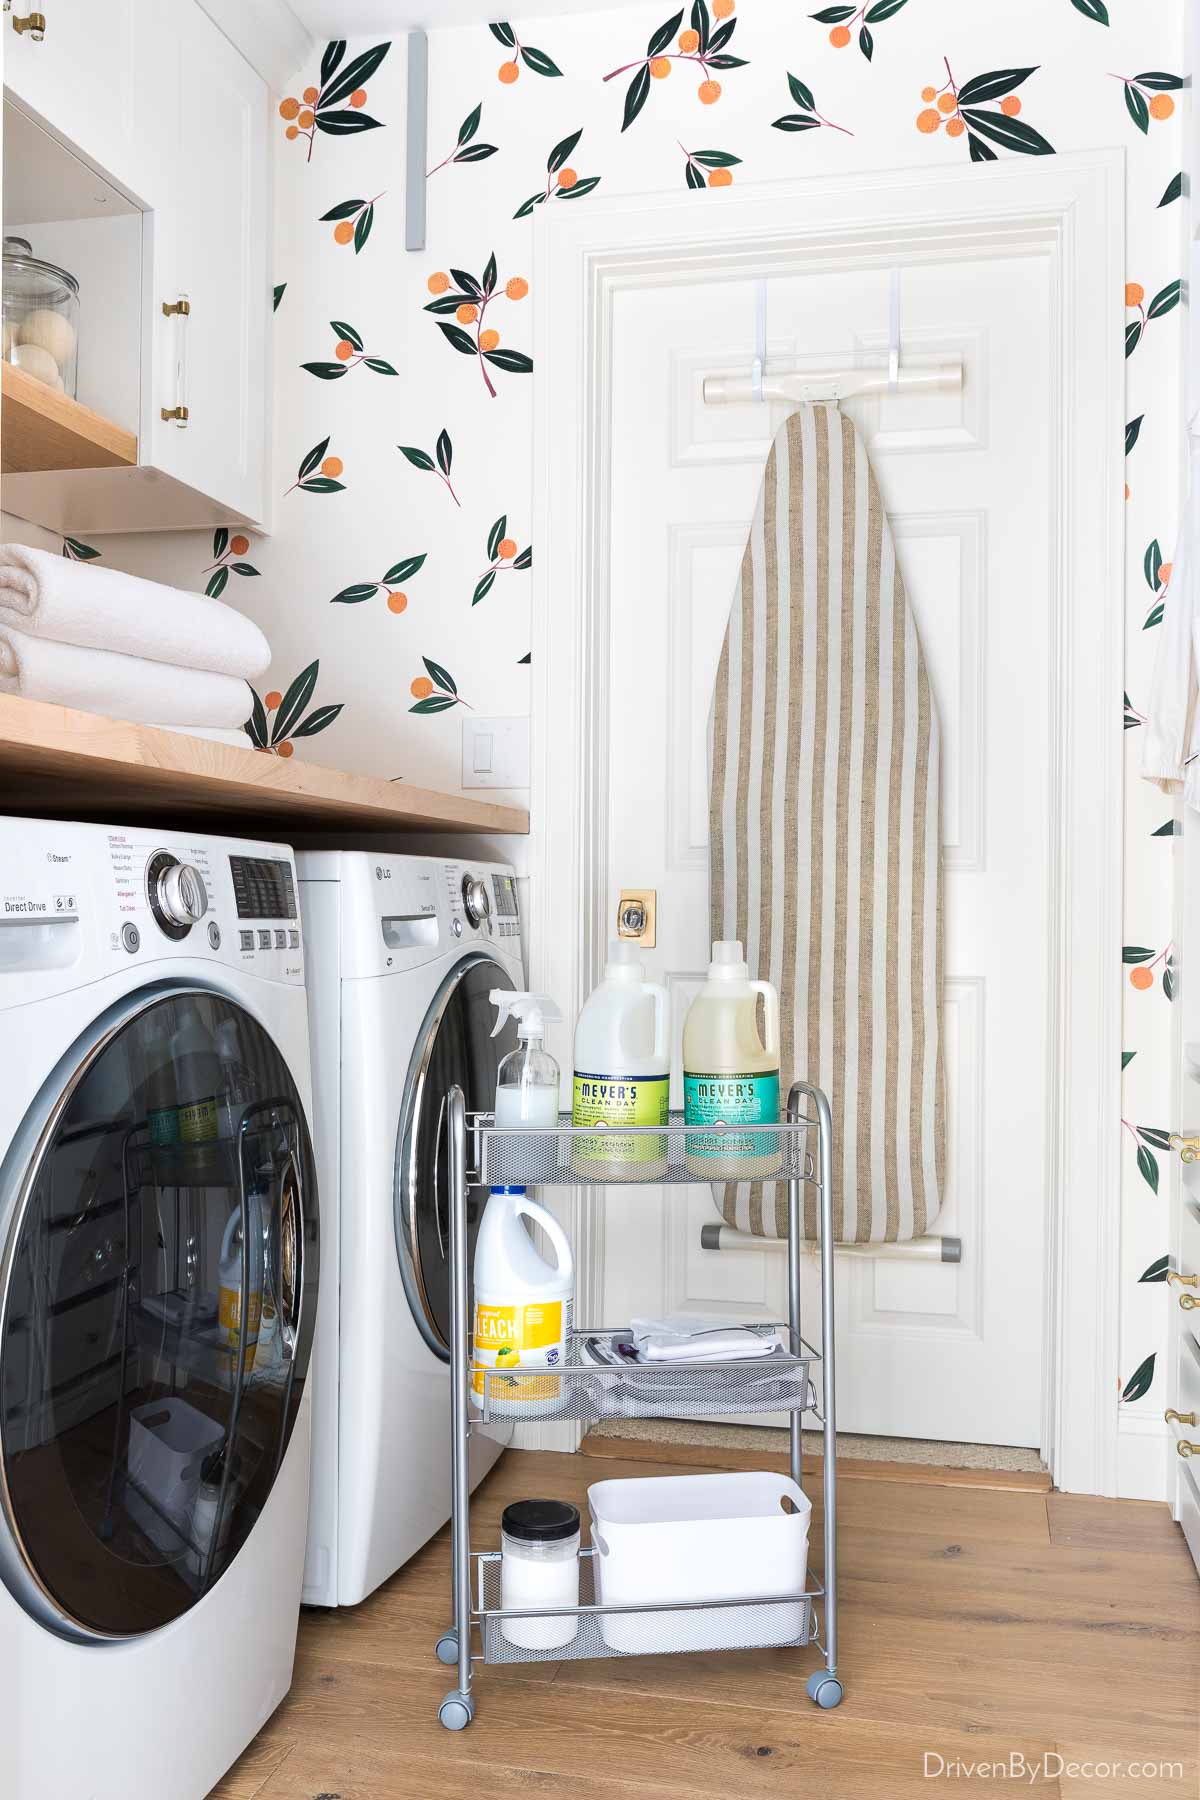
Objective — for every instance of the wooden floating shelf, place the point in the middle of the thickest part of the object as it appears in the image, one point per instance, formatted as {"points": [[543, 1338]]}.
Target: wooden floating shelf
{"points": [[59, 763], [43, 430]]}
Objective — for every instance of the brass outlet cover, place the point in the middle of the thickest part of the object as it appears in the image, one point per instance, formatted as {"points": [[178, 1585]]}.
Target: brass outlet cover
{"points": [[634, 897]]}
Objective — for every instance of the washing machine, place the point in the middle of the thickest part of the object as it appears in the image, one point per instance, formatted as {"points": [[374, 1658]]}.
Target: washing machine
{"points": [[158, 1286], [403, 954]]}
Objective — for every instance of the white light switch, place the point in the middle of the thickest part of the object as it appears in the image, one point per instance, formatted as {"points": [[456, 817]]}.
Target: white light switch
{"points": [[495, 753]]}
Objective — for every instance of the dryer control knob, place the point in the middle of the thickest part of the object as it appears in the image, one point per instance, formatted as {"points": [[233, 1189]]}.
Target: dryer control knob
{"points": [[476, 899], [182, 894]]}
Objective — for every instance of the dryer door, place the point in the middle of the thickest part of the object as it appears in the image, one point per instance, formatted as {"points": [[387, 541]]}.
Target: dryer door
{"points": [[454, 1048], [157, 1292]]}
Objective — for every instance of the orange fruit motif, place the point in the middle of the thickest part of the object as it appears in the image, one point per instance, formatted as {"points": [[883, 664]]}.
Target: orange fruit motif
{"points": [[344, 350], [287, 748], [293, 131], [722, 8], [438, 282], [359, 97], [839, 37], [488, 339], [289, 108], [311, 96], [1161, 106], [517, 288], [689, 41], [947, 103], [239, 545], [660, 67], [1010, 106], [709, 91], [332, 466], [1164, 574], [567, 178], [1135, 293], [929, 93], [1141, 978], [421, 688], [720, 178], [954, 127], [506, 549], [508, 72], [467, 314], [343, 231], [397, 602], [929, 120], [273, 699], [306, 118]]}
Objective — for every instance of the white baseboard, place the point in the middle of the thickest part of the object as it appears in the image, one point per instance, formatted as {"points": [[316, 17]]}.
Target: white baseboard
{"points": [[1142, 1448], [548, 1434]]}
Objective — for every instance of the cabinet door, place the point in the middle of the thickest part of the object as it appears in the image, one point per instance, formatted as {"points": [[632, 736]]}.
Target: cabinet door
{"points": [[211, 246], [82, 79]]}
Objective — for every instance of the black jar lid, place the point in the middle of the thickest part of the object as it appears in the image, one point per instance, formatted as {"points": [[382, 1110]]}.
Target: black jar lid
{"points": [[540, 1521]]}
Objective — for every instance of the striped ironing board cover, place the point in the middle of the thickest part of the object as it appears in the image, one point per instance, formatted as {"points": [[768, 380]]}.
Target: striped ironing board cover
{"points": [[825, 831]]}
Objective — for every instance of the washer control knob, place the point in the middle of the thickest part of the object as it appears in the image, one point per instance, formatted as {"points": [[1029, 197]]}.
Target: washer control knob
{"points": [[476, 899], [182, 895]]}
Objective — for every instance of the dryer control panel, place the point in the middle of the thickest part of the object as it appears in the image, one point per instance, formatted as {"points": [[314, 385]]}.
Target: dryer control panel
{"points": [[110, 898]]}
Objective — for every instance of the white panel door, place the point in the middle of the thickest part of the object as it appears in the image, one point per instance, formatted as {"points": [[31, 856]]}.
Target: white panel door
{"points": [[211, 245], [925, 1349]]}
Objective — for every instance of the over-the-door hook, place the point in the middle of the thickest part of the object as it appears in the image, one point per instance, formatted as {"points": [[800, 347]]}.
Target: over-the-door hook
{"points": [[894, 330], [760, 339]]}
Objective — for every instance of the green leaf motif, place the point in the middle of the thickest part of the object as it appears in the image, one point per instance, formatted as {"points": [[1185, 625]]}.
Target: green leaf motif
{"points": [[1092, 9], [692, 175], [1165, 300], [322, 484], [1147, 1164], [524, 560], [526, 207], [256, 724], [1155, 1136], [244, 568], [866, 42], [503, 31], [992, 85], [883, 9], [833, 15], [318, 720], [1169, 828], [1152, 565], [420, 459], [472, 289], [325, 371], [445, 451], [476, 153], [1173, 189], [978, 150], [659, 39], [346, 333], [355, 594], [1155, 1271], [561, 151], [1153, 617], [345, 124], [538, 61], [1135, 105], [1135, 953], [314, 457], [356, 74], [496, 536], [1127, 1057], [220, 541], [362, 229], [1011, 134], [715, 159], [726, 62], [216, 583], [346, 209], [636, 95], [401, 571], [331, 60], [514, 361], [583, 186], [378, 366], [1140, 1381], [1158, 80], [1132, 432], [483, 587], [1168, 978], [459, 338], [441, 677], [801, 93], [294, 701], [1133, 333], [489, 276], [470, 125], [435, 703], [278, 293]]}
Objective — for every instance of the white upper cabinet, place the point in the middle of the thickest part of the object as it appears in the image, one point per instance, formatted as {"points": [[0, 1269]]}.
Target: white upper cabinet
{"points": [[167, 127]]}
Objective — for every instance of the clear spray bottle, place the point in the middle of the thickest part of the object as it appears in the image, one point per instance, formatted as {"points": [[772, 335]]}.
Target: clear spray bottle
{"points": [[527, 1081]]}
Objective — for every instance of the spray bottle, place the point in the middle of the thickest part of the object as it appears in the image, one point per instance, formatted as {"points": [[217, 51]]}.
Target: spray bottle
{"points": [[527, 1079]]}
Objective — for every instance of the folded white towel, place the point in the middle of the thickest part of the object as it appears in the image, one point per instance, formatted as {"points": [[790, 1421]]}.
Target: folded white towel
{"points": [[680, 1338], [103, 609], [121, 687]]}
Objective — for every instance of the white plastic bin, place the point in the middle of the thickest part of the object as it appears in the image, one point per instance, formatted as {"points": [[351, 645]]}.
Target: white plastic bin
{"points": [[699, 1537], [168, 1442]]}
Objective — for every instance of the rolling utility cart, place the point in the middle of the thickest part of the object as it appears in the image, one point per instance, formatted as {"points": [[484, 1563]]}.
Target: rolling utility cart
{"points": [[584, 1390]]}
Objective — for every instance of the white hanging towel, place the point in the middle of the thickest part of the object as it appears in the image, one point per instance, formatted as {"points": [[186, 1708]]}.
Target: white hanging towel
{"points": [[120, 687], [824, 805], [68, 602], [1171, 741]]}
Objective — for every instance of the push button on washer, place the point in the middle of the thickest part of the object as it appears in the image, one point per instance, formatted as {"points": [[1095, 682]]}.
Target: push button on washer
{"points": [[247, 939], [294, 940], [280, 939], [214, 934], [131, 937], [264, 940]]}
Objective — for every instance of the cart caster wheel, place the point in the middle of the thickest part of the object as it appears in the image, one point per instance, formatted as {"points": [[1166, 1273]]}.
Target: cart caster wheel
{"points": [[825, 1689], [456, 1711], [447, 1649]]}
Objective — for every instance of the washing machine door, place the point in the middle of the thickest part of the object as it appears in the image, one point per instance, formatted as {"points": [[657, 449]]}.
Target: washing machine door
{"points": [[454, 1048], [158, 1233]]}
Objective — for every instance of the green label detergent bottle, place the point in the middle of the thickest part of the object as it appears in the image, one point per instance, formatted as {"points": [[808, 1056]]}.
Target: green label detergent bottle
{"points": [[731, 1071], [622, 1073]]}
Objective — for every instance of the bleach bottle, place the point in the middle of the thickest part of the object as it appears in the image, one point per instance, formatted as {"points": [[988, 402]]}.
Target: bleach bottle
{"points": [[523, 1308]]}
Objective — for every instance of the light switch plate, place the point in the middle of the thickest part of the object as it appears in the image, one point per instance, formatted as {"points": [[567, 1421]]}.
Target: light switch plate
{"points": [[495, 752]]}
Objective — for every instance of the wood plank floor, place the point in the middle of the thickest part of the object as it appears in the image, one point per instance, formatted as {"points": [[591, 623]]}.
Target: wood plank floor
{"points": [[977, 1624]]}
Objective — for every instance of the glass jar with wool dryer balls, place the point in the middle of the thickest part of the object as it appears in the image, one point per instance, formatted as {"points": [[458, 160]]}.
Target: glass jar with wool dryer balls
{"points": [[41, 317]]}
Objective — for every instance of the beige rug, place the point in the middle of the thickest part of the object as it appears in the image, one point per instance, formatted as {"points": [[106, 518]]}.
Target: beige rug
{"points": [[928, 1451]]}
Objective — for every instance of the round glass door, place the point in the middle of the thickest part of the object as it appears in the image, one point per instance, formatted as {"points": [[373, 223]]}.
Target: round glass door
{"points": [[455, 1048], [156, 1317]]}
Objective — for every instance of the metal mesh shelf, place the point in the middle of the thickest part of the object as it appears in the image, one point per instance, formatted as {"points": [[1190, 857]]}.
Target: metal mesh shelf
{"points": [[589, 1391], [569, 1155], [785, 1622]]}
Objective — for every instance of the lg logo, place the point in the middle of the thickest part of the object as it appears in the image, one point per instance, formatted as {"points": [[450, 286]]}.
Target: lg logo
{"points": [[382, 874]]}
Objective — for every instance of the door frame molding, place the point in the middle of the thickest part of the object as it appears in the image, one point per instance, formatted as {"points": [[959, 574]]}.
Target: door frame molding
{"points": [[1069, 208]]}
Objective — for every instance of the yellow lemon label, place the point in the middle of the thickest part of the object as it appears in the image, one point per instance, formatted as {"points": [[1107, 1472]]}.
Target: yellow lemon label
{"points": [[509, 1339]]}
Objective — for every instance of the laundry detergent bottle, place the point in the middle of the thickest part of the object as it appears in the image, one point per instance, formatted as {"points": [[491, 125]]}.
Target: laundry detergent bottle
{"points": [[622, 1072], [731, 1071], [523, 1308]]}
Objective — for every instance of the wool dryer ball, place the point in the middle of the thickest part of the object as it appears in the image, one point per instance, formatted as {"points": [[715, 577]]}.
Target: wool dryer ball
{"points": [[50, 332], [37, 362]]}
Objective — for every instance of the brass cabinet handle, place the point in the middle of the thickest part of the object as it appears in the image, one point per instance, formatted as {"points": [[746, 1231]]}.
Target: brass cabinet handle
{"points": [[1191, 1281], [181, 311], [34, 23], [1188, 1147], [1185, 1447], [1171, 1417]]}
